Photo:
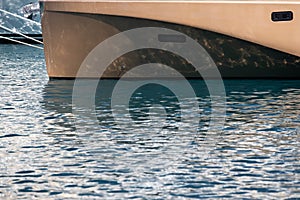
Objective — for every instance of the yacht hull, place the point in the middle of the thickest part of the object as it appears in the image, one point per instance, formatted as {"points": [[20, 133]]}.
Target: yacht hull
{"points": [[242, 38]]}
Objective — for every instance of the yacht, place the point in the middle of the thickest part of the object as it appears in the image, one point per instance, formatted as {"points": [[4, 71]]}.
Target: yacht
{"points": [[243, 39]]}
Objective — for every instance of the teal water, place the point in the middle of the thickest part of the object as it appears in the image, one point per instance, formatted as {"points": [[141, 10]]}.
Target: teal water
{"points": [[46, 152]]}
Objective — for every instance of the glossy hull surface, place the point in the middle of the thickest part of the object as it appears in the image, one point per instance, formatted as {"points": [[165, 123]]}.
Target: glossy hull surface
{"points": [[242, 37]]}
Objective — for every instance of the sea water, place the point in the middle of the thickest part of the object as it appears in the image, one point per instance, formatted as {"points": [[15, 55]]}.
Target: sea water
{"points": [[49, 151]]}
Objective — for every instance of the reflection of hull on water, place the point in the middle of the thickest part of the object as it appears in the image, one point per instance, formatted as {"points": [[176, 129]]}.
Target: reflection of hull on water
{"points": [[58, 95], [57, 100], [244, 38]]}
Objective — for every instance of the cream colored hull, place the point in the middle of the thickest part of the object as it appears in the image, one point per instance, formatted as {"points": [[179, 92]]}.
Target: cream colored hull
{"points": [[72, 29]]}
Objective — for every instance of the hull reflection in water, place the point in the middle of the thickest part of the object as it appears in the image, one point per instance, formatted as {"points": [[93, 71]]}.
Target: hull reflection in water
{"points": [[145, 101], [252, 105]]}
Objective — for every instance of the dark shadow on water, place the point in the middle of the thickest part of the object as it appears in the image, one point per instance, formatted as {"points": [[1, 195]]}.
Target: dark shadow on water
{"points": [[57, 98]]}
